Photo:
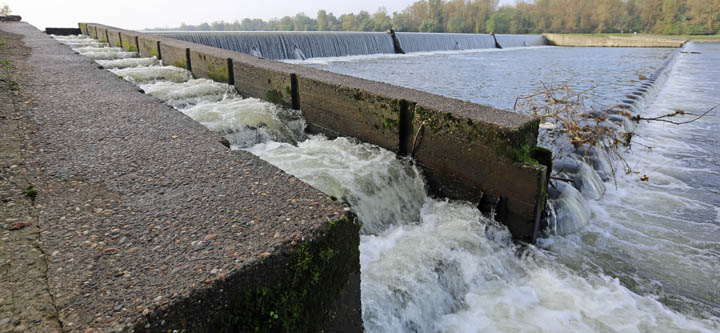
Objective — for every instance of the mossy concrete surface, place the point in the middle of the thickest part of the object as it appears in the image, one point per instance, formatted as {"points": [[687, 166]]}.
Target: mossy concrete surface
{"points": [[114, 38], [129, 42], [253, 78], [101, 34], [350, 111], [148, 47], [467, 151], [174, 54], [613, 41], [293, 290], [209, 66]]}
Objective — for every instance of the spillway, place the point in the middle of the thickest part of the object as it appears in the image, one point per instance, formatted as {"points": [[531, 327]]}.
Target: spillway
{"points": [[431, 264], [304, 45]]}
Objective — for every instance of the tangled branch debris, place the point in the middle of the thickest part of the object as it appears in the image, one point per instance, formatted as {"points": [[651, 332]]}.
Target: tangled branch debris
{"points": [[566, 118]]}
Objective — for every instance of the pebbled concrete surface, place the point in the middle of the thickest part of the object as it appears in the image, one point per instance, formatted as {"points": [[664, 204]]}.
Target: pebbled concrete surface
{"points": [[25, 302], [138, 206]]}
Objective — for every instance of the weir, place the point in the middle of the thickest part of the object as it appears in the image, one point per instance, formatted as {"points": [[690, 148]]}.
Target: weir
{"points": [[283, 45], [467, 151], [328, 102]]}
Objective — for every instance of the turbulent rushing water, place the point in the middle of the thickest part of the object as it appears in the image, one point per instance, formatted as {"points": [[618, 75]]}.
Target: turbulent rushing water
{"points": [[646, 261]]}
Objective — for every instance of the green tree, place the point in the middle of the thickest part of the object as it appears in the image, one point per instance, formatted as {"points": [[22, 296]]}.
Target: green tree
{"points": [[382, 20], [403, 22], [5, 10], [499, 22], [322, 20], [430, 25]]}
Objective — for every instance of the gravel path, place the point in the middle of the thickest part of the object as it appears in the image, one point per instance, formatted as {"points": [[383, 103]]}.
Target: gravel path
{"points": [[139, 206]]}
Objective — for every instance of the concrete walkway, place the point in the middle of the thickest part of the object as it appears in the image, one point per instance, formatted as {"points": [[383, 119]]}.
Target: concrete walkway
{"points": [[139, 209]]}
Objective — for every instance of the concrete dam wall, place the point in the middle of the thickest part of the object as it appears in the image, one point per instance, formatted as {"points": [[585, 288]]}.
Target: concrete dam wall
{"points": [[467, 151], [311, 44]]}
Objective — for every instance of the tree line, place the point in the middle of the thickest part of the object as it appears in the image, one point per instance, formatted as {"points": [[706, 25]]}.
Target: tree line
{"points": [[671, 17]]}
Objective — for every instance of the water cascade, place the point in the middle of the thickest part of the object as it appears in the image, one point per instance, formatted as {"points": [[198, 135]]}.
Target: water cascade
{"points": [[302, 45], [429, 264], [292, 45], [425, 42]]}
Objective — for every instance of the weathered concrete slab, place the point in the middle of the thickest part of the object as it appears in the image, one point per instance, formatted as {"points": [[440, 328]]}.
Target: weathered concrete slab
{"points": [[151, 224], [25, 304], [63, 31], [129, 41], [83, 29], [612, 41], [175, 54], [10, 18], [101, 34], [114, 38], [209, 65], [149, 47]]}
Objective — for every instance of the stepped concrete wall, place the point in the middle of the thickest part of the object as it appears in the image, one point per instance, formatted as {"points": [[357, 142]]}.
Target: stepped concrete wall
{"points": [[467, 151]]}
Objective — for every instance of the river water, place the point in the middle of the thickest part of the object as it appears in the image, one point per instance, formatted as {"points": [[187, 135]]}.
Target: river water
{"points": [[646, 261]]}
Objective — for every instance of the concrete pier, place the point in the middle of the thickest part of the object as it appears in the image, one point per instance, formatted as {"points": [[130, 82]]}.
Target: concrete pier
{"points": [[144, 221]]}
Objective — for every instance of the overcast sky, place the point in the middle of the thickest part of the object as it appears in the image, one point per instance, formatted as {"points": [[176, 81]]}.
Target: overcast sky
{"points": [[139, 14]]}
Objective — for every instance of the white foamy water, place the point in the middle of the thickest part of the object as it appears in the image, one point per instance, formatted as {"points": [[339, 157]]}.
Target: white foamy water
{"points": [[249, 121], [448, 268], [129, 62], [382, 189], [101, 54], [661, 237], [183, 94], [140, 75], [434, 265]]}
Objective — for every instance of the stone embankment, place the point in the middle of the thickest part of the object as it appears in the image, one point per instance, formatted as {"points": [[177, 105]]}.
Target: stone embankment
{"points": [[140, 219], [612, 41]]}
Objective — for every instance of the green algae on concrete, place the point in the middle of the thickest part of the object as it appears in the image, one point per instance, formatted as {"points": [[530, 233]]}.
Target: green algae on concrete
{"points": [[260, 82], [83, 28], [317, 273], [286, 292], [354, 112], [129, 42], [207, 65], [148, 47]]}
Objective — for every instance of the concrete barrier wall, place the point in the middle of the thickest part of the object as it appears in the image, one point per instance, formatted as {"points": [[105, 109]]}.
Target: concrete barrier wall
{"points": [[148, 47], [114, 38], [332, 108], [101, 34], [212, 66], [175, 54], [612, 41], [129, 41], [467, 151], [63, 31]]}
